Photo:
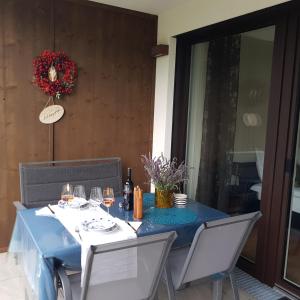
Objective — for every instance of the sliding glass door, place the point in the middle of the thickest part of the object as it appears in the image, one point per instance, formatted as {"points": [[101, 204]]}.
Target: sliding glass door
{"points": [[236, 104], [227, 120]]}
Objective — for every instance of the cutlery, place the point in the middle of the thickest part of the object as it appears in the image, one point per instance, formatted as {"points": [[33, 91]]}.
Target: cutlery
{"points": [[52, 211], [84, 206], [131, 227], [78, 232]]}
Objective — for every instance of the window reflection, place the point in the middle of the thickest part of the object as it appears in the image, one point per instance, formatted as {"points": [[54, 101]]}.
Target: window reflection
{"points": [[229, 95]]}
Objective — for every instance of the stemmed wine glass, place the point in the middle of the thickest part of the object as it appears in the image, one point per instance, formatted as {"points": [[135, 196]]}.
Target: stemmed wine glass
{"points": [[108, 198], [96, 196], [67, 193], [79, 192]]}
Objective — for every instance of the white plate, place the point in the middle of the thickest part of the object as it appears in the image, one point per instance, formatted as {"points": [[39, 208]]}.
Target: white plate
{"points": [[99, 224], [180, 202], [77, 202], [180, 196]]}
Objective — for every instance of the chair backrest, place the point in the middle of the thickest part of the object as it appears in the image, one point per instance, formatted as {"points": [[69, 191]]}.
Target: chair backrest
{"points": [[41, 182], [216, 247], [134, 269]]}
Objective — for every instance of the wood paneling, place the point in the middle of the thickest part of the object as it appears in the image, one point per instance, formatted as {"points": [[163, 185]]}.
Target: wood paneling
{"points": [[24, 30], [111, 110]]}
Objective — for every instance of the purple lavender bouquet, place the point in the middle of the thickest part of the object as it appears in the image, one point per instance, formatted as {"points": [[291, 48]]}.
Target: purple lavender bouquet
{"points": [[165, 174]]}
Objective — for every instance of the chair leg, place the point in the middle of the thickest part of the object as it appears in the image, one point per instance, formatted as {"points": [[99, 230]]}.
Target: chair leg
{"points": [[184, 286], [170, 286], [234, 287], [218, 289]]}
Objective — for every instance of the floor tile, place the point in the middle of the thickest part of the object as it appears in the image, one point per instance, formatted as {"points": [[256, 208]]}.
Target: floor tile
{"points": [[9, 269], [12, 289], [12, 285]]}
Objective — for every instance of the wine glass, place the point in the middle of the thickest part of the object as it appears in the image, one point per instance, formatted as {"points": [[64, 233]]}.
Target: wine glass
{"points": [[67, 193], [108, 198], [96, 196], [79, 192]]}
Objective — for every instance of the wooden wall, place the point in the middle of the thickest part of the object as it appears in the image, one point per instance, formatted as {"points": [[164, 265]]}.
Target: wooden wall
{"points": [[111, 111]]}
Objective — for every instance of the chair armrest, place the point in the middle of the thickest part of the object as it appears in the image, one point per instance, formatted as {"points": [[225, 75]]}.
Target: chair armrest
{"points": [[18, 205], [65, 282]]}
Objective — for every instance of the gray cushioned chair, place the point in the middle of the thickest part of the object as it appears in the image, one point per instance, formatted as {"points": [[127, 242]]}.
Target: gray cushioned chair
{"points": [[214, 252], [41, 182], [149, 257]]}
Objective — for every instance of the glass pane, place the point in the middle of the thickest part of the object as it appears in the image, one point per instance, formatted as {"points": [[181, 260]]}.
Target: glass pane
{"points": [[292, 263], [229, 95]]}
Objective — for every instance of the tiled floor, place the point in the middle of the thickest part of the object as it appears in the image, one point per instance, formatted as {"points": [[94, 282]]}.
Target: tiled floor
{"points": [[201, 290], [12, 286], [11, 279]]}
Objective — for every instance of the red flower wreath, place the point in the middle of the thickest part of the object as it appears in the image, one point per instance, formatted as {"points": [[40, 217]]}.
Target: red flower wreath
{"points": [[55, 73]]}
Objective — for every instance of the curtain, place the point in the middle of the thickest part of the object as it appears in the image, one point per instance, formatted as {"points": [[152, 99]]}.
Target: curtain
{"points": [[219, 121]]}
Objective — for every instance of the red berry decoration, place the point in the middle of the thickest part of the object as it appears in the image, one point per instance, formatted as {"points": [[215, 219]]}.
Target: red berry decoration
{"points": [[55, 73]]}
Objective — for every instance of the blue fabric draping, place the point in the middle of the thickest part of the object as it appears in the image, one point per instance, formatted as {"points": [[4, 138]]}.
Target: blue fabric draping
{"points": [[41, 243]]}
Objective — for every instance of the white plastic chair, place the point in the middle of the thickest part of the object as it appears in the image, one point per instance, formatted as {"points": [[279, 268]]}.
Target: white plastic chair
{"points": [[140, 282], [214, 252]]}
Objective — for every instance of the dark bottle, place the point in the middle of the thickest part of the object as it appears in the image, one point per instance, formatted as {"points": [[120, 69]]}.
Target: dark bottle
{"points": [[128, 192]]}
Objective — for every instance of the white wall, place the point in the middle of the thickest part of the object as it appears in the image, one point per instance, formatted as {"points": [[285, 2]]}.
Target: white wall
{"points": [[195, 117], [192, 14]]}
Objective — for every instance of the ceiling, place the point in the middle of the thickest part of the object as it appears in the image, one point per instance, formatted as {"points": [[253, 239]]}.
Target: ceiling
{"points": [[148, 6]]}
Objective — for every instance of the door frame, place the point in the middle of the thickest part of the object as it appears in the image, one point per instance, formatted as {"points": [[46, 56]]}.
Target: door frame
{"points": [[285, 156], [279, 139]]}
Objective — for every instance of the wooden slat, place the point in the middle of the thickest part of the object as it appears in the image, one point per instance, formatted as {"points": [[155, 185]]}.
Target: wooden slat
{"points": [[111, 112], [24, 32]]}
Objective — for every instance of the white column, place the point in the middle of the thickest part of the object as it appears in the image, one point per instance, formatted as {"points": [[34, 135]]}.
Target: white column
{"points": [[163, 105]]}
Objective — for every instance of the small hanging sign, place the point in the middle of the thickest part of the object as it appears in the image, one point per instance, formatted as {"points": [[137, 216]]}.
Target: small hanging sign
{"points": [[51, 114], [56, 74]]}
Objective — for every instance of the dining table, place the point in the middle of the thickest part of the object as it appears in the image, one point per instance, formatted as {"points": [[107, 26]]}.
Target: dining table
{"points": [[41, 243]]}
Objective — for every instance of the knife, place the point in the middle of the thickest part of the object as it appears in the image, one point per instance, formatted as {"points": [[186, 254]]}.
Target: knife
{"points": [[51, 209], [131, 227]]}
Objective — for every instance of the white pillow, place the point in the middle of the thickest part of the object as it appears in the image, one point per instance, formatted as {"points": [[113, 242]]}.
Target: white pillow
{"points": [[260, 163], [256, 188]]}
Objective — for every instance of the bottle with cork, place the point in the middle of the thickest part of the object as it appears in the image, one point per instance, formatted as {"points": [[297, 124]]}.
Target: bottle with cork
{"points": [[128, 192], [138, 203]]}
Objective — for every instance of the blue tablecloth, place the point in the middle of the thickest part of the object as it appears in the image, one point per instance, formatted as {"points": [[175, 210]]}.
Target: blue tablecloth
{"points": [[42, 242]]}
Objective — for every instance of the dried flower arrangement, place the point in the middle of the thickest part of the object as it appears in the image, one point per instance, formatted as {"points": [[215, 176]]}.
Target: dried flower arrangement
{"points": [[165, 174]]}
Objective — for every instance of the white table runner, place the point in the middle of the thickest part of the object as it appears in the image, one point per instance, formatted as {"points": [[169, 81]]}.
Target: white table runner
{"points": [[111, 266]]}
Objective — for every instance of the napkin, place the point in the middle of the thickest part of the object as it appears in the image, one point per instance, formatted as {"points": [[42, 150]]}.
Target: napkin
{"points": [[45, 212], [135, 224], [110, 266], [116, 265]]}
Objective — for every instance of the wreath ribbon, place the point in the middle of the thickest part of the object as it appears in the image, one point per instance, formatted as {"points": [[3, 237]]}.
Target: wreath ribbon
{"points": [[50, 99]]}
